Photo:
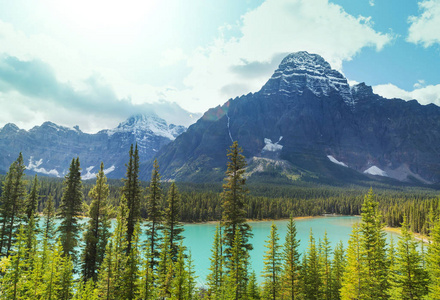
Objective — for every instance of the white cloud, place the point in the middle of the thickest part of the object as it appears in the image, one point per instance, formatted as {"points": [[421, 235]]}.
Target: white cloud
{"points": [[424, 95], [277, 26], [172, 56], [371, 2], [424, 28]]}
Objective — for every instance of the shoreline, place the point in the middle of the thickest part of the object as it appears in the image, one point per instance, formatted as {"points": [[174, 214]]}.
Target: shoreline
{"points": [[283, 219], [417, 236]]}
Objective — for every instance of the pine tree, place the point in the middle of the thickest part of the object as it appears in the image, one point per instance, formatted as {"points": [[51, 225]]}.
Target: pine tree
{"points": [[433, 261], [172, 225], [12, 199], [312, 281], [236, 277], [373, 245], [105, 283], [131, 272], [154, 224], [132, 193], [272, 265], [32, 201], [190, 284], [178, 284], [352, 283], [233, 197], [325, 253], [98, 228], [253, 290], [13, 283], [291, 263], [165, 267], [70, 209], [49, 223], [148, 290], [215, 277], [338, 267], [410, 279]]}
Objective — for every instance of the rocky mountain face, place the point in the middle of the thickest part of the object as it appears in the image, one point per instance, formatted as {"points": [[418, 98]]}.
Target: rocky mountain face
{"points": [[307, 122], [48, 149]]}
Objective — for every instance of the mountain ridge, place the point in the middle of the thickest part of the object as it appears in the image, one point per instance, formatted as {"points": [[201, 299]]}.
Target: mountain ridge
{"points": [[312, 113]]}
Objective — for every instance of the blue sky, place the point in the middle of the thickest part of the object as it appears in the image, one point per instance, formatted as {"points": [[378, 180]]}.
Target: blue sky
{"points": [[93, 63]]}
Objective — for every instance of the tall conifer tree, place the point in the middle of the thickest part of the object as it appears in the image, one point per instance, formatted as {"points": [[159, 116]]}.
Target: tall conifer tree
{"points": [[133, 193], [272, 265], [98, 228], [234, 204], [70, 209], [291, 263], [154, 225], [172, 225], [12, 208]]}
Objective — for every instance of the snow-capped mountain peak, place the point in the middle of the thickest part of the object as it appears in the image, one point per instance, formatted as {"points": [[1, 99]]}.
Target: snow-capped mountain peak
{"points": [[300, 70], [141, 125]]}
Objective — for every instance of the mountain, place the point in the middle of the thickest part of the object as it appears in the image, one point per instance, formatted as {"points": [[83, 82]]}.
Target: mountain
{"points": [[49, 148], [308, 123]]}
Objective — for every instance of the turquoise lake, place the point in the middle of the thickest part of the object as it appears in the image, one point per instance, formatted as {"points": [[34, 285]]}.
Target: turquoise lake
{"points": [[199, 238]]}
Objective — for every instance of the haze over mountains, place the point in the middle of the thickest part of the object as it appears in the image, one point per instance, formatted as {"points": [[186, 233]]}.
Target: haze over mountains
{"points": [[306, 123]]}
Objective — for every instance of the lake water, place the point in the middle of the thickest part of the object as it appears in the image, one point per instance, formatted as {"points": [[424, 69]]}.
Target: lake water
{"points": [[199, 238]]}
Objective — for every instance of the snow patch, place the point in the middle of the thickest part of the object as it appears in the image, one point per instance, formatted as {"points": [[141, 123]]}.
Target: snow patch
{"points": [[375, 171], [108, 170], [90, 175], [35, 166], [273, 147], [334, 160]]}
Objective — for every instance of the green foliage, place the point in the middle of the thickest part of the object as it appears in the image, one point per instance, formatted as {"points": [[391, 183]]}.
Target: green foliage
{"points": [[172, 226], [291, 264], [272, 265], [154, 225], [12, 200], [310, 272], [409, 279], [233, 196], [132, 193], [98, 228], [70, 209], [215, 276]]}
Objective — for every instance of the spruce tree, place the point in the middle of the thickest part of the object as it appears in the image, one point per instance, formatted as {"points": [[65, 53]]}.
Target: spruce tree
{"points": [[325, 254], [98, 228], [253, 290], [215, 277], [234, 200], [291, 263], [32, 200], [70, 209], [433, 261], [131, 280], [236, 277], [172, 225], [409, 281], [12, 208], [154, 225], [338, 267], [373, 245], [272, 265], [312, 281], [132, 193], [352, 282], [49, 222]]}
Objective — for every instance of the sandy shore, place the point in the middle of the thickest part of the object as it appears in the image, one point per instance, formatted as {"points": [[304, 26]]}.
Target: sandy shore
{"points": [[398, 231]]}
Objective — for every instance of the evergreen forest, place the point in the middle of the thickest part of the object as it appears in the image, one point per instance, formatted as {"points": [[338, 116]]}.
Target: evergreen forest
{"points": [[41, 260]]}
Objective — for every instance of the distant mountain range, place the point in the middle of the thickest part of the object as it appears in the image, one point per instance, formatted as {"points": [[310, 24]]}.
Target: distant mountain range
{"points": [[307, 123], [48, 149]]}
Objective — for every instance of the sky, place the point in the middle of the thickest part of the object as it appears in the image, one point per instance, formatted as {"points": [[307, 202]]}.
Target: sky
{"points": [[93, 63]]}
